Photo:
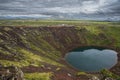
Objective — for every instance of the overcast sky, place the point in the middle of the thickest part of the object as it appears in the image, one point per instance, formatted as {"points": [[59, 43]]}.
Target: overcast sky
{"points": [[61, 9]]}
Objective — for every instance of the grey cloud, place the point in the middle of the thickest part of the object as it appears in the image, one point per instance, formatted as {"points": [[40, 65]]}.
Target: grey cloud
{"points": [[6, 1], [73, 9]]}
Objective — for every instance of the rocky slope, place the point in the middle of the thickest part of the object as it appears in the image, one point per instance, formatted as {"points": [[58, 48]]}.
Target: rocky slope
{"points": [[42, 49]]}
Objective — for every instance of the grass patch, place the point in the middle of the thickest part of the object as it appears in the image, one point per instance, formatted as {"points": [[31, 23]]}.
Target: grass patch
{"points": [[15, 63], [107, 73], [36, 59], [93, 29], [28, 58], [80, 73], [38, 76]]}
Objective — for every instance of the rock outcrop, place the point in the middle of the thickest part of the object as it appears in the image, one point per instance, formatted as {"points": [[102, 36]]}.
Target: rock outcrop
{"points": [[11, 73]]}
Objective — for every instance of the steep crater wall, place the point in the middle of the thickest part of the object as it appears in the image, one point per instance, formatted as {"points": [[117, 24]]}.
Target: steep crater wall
{"points": [[54, 41]]}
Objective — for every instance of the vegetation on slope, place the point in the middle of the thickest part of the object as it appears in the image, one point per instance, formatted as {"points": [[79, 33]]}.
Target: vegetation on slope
{"points": [[107, 73], [40, 43], [38, 76]]}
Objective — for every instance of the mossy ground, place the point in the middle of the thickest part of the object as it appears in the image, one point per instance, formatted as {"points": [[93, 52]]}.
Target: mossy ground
{"points": [[38, 76]]}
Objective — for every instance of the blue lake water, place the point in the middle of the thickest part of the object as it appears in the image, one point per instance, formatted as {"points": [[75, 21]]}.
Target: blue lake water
{"points": [[92, 59]]}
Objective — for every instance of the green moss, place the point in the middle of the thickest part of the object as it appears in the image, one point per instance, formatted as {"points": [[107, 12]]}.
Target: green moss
{"points": [[2, 51], [68, 40], [29, 58], [81, 73], [58, 69], [93, 29], [42, 46], [36, 59], [38, 76], [15, 63], [91, 36], [114, 32], [107, 73]]}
